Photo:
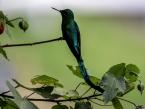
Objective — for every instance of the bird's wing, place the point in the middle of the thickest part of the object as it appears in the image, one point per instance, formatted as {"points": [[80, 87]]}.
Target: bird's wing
{"points": [[78, 38], [72, 36]]}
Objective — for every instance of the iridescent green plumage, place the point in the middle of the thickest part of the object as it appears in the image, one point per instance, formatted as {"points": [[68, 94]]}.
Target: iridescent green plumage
{"points": [[71, 34]]}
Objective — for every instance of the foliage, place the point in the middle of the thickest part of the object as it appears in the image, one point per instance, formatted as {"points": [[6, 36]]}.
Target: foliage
{"points": [[118, 81]]}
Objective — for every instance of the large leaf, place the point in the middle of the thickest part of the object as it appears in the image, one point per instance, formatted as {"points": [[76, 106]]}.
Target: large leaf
{"points": [[18, 99], [76, 71], [59, 107], [113, 82], [117, 104], [3, 53], [132, 72], [59, 91], [46, 80], [43, 91], [83, 105], [46, 92], [22, 103], [25, 104]]}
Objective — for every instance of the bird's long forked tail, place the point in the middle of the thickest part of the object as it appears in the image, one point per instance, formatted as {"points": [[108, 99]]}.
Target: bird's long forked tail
{"points": [[86, 77]]}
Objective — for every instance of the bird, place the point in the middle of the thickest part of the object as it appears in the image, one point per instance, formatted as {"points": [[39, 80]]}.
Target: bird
{"points": [[71, 35]]}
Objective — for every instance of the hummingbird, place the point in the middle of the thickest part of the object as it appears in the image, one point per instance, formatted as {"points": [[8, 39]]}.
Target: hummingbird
{"points": [[71, 35]]}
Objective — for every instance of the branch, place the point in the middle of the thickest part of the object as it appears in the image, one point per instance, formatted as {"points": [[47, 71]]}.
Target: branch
{"points": [[3, 93], [64, 100], [31, 44], [54, 100]]}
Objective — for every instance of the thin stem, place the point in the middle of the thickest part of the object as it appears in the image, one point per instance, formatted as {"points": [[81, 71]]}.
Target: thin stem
{"points": [[18, 18], [7, 96], [30, 95], [65, 100], [3, 93], [98, 99], [20, 85], [128, 101], [78, 86], [86, 92], [31, 44]]}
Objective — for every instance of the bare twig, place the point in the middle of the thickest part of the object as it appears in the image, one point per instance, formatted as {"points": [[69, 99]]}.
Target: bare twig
{"points": [[54, 100], [31, 44]]}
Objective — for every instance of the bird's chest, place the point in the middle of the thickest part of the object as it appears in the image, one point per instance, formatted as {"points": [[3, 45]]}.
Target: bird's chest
{"points": [[68, 28]]}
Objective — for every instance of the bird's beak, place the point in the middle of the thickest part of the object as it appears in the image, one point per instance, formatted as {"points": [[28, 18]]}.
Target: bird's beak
{"points": [[56, 9]]}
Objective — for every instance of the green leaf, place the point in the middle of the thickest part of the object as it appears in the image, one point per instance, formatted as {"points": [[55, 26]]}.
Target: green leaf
{"points": [[59, 91], [113, 82], [117, 104], [21, 103], [83, 105], [70, 107], [8, 22], [46, 92], [72, 94], [18, 99], [25, 104], [117, 70], [76, 72], [8, 104], [132, 72], [1, 102], [3, 53], [59, 107], [23, 25], [46, 80], [95, 80]]}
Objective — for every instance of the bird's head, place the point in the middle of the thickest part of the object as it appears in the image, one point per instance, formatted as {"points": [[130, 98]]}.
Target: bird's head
{"points": [[66, 13]]}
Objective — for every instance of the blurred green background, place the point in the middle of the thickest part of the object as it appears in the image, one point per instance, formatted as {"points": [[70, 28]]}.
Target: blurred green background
{"points": [[106, 40]]}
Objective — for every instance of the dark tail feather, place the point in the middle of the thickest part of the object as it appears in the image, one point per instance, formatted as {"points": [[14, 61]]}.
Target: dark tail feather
{"points": [[87, 78]]}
